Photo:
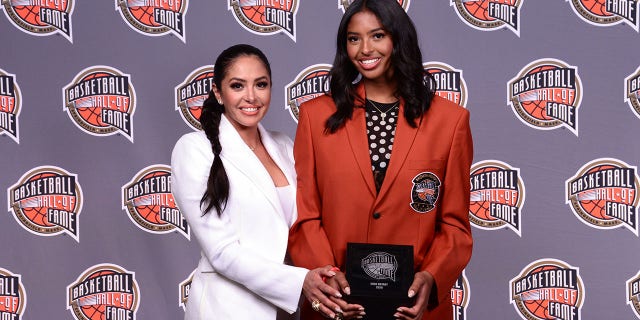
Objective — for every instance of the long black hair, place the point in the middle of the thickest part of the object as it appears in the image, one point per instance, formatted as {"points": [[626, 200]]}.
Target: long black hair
{"points": [[217, 192], [406, 60]]}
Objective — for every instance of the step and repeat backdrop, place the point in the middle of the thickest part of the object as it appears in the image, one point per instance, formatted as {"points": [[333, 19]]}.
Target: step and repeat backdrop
{"points": [[94, 94]]}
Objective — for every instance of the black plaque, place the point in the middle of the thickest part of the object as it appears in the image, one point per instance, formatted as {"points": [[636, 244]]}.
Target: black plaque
{"points": [[379, 276]]}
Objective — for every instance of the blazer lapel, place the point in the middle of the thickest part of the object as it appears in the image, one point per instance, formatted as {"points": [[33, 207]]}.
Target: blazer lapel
{"points": [[357, 134], [404, 138], [236, 153]]}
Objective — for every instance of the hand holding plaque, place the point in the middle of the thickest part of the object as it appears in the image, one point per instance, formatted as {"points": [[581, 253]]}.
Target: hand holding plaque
{"points": [[379, 276]]}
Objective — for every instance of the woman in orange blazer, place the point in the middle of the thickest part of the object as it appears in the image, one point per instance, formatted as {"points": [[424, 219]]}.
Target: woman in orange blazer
{"points": [[382, 159]]}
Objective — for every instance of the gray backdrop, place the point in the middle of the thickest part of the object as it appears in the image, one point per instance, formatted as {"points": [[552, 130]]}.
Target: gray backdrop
{"points": [[603, 54]]}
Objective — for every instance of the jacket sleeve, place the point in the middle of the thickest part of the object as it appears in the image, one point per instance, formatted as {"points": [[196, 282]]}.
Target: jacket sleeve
{"points": [[451, 248], [308, 243], [276, 282]]}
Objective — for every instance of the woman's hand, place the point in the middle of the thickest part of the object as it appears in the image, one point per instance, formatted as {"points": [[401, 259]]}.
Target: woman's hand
{"points": [[422, 284], [325, 297], [349, 311]]}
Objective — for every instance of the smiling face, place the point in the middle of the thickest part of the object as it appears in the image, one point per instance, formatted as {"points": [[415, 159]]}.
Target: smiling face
{"points": [[369, 47], [245, 92]]}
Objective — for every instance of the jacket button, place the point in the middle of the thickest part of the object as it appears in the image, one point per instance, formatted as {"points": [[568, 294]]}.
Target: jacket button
{"points": [[376, 215]]}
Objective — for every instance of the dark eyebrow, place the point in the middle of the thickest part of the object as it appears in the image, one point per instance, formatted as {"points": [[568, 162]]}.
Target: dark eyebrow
{"points": [[369, 32]]}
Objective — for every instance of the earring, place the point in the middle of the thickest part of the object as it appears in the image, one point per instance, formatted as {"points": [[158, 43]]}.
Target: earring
{"points": [[220, 102]]}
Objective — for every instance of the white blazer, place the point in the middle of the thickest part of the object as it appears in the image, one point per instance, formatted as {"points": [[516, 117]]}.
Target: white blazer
{"points": [[241, 274]]}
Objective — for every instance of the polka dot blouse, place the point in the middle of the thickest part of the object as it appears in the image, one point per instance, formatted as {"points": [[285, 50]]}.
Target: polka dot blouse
{"points": [[381, 129]]}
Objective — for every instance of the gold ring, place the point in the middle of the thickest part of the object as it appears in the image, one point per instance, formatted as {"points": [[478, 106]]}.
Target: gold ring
{"points": [[338, 316], [315, 305]]}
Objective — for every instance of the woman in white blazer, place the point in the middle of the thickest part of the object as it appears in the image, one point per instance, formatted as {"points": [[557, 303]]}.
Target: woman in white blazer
{"points": [[235, 184]]}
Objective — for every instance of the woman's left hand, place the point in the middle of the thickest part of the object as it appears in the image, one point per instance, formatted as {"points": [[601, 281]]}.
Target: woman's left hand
{"points": [[422, 284]]}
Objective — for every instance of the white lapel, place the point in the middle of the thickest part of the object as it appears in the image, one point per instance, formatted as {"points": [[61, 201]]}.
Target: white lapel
{"points": [[236, 153]]}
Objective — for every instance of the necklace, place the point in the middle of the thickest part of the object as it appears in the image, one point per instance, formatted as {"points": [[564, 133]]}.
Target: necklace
{"points": [[383, 114], [256, 145]]}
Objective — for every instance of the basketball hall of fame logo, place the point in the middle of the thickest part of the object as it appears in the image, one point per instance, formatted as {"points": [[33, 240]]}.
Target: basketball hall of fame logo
{"points": [[104, 291], [155, 17], [10, 105], [150, 204], [604, 194], [41, 17], [460, 295], [489, 15], [633, 293], [101, 101], [191, 93], [497, 196], [311, 82], [344, 4], [183, 290], [632, 91], [266, 17], [47, 201], [13, 297], [548, 289], [447, 82], [546, 95], [425, 192], [604, 13]]}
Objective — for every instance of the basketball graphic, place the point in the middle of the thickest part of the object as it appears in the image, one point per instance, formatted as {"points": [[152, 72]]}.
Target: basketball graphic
{"points": [[13, 297], [632, 91], [546, 95], [10, 105], [41, 18], [489, 15], [104, 291], [266, 18], [539, 307], [155, 18], [597, 7], [478, 9], [548, 289], [447, 82], [604, 194], [310, 83], [497, 196], [101, 101], [150, 205], [633, 293], [191, 94], [534, 102], [460, 297], [50, 209], [30, 14], [596, 12]]}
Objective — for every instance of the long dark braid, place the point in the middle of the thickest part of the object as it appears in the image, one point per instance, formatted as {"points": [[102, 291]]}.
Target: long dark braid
{"points": [[217, 192]]}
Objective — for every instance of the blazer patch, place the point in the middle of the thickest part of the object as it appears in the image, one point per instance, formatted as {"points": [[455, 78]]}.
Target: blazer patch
{"points": [[425, 191]]}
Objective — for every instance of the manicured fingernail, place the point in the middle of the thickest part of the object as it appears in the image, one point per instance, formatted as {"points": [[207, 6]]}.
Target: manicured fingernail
{"points": [[347, 290], [338, 309], [331, 273], [338, 295], [411, 293]]}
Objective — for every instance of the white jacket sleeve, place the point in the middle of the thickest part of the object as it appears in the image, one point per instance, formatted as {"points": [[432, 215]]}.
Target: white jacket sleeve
{"points": [[276, 282]]}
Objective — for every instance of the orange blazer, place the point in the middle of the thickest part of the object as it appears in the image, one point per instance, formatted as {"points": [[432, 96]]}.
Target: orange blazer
{"points": [[423, 200]]}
